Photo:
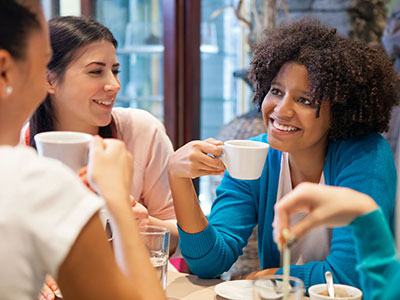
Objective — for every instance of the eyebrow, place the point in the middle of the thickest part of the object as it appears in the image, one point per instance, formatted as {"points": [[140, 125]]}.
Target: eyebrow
{"points": [[307, 93], [101, 64]]}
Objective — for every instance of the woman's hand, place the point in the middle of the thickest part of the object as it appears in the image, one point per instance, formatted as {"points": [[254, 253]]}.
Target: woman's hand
{"points": [[193, 160], [48, 289], [110, 169], [254, 275], [83, 176], [141, 213], [326, 206]]}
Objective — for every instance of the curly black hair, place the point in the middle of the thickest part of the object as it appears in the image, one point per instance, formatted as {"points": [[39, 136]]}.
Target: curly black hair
{"points": [[359, 81]]}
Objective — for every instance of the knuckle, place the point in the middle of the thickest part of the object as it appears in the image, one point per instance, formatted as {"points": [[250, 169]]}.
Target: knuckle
{"points": [[192, 156]]}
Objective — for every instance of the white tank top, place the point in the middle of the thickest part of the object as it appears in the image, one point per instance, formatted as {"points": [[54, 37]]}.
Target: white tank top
{"points": [[315, 246]]}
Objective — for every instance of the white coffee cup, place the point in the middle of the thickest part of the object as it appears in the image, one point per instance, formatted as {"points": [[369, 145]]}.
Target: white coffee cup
{"points": [[69, 147], [352, 292], [244, 159]]}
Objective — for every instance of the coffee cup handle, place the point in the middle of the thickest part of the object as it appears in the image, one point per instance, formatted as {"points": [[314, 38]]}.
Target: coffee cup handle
{"points": [[223, 156]]}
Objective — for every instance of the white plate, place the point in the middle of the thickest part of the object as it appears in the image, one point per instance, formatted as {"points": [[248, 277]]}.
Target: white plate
{"points": [[235, 289]]}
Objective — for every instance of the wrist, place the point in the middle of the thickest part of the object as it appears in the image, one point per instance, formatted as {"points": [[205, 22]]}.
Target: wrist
{"points": [[368, 207], [174, 177], [117, 200], [365, 205]]}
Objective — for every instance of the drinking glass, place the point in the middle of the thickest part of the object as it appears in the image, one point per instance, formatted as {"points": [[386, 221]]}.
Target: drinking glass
{"points": [[156, 239], [271, 287]]}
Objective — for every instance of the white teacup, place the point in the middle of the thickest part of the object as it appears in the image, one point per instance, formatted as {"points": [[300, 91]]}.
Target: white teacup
{"points": [[342, 292], [69, 147], [244, 159]]}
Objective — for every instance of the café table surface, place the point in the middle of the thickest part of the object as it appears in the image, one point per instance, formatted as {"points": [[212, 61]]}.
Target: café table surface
{"points": [[184, 286]]}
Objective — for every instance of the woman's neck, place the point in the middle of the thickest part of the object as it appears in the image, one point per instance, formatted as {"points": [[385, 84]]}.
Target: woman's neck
{"points": [[70, 126], [64, 121], [306, 167], [10, 127]]}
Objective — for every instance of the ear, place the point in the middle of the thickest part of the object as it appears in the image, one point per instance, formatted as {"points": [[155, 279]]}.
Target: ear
{"points": [[7, 68], [51, 83]]}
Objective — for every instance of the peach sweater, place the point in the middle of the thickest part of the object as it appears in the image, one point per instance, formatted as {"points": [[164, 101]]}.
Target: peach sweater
{"points": [[145, 138]]}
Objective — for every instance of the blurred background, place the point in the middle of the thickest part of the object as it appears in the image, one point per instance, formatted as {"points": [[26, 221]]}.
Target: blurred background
{"points": [[185, 61]]}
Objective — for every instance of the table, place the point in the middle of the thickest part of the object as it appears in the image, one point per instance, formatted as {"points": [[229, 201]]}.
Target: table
{"points": [[184, 286]]}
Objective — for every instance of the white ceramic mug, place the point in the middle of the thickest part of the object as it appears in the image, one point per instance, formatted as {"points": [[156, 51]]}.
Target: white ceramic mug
{"points": [[244, 159], [69, 147], [319, 291]]}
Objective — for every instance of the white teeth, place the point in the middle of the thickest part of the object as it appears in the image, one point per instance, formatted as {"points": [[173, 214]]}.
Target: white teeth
{"points": [[284, 127], [104, 102]]}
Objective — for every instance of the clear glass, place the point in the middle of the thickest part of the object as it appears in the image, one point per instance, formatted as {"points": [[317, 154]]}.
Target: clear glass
{"points": [[223, 52], [137, 26], [156, 239], [271, 287]]}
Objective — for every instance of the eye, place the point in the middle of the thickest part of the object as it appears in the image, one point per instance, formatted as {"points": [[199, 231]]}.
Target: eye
{"points": [[305, 101], [275, 91], [116, 72], [96, 72]]}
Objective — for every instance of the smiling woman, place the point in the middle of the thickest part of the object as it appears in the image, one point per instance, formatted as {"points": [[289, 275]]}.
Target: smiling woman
{"points": [[289, 114], [324, 98], [86, 109], [83, 84]]}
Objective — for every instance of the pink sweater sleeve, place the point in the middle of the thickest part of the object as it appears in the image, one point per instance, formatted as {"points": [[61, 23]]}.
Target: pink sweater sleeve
{"points": [[150, 147]]}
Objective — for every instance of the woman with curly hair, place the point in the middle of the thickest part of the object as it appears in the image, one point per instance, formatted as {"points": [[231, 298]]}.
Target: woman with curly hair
{"points": [[324, 100]]}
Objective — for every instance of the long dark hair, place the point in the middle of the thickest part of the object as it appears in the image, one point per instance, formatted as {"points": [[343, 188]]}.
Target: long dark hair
{"points": [[67, 36], [16, 22]]}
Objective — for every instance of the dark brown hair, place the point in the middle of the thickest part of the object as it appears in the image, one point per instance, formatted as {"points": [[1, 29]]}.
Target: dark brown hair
{"points": [[357, 80], [67, 36], [17, 20]]}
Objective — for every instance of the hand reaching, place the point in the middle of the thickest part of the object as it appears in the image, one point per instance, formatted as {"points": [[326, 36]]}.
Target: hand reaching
{"points": [[326, 206]]}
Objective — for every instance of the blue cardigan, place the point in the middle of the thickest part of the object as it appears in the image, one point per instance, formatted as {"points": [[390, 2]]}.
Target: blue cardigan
{"points": [[363, 163], [378, 262]]}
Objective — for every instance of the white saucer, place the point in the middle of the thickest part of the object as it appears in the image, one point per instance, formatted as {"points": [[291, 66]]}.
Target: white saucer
{"points": [[235, 289]]}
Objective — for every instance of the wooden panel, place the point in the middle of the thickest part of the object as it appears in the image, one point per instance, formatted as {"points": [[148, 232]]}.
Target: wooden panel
{"points": [[182, 70], [88, 8], [192, 70], [173, 68]]}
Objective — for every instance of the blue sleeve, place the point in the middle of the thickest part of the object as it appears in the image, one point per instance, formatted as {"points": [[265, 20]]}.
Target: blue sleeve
{"points": [[233, 216], [366, 165], [377, 260]]}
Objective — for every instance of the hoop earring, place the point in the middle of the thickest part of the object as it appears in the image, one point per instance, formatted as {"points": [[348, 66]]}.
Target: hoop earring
{"points": [[8, 90]]}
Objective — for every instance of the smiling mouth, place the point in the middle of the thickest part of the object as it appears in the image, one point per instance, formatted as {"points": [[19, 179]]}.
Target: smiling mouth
{"points": [[282, 127], [104, 102]]}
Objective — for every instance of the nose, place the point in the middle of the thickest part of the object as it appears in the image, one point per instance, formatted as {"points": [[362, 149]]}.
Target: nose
{"points": [[112, 84], [284, 108]]}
